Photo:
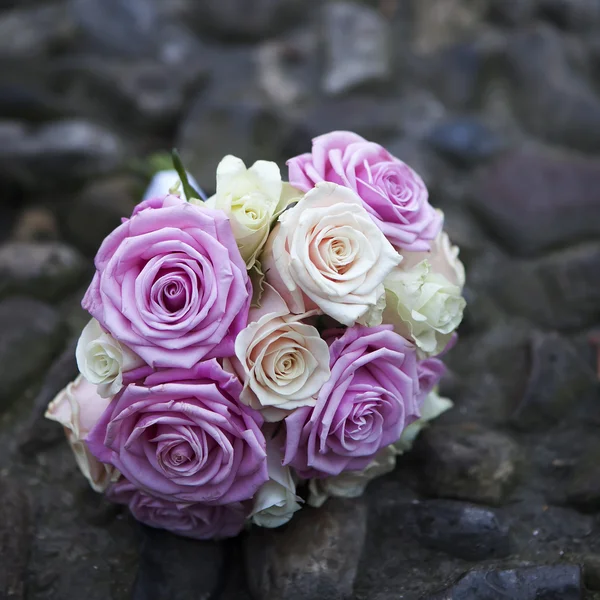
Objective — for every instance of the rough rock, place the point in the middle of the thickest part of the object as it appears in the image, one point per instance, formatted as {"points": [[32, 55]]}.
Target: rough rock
{"points": [[314, 557], [98, 209], [583, 488], [461, 529], [534, 201], [557, 291], [34, 224], [467, 462], [29, 329], [123, 27], [465, 141], [561, 109], [35, 31], [194, 568], [15, 532], [260, 17], [558, 379], [357, 47], [577, 15], [524, 583], [58, 152], [45, 270]]}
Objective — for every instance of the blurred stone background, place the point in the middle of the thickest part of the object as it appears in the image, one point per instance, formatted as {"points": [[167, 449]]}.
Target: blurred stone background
{"points": [[495, 102]]}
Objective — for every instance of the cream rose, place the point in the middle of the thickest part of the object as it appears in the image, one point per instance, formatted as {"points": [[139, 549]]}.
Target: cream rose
{"points": [[251, 198], [276, 501], [351, 484], [433, 406], [77, 408], [102, 360], [423, 306], [282, 361], [327, 252]]}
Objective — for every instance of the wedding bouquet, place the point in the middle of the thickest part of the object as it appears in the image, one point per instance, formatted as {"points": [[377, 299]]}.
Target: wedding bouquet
{"points": [[270, 346]]}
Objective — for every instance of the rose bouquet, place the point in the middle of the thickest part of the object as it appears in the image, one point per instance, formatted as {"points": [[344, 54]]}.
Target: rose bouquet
{"points": [[267, 347]]}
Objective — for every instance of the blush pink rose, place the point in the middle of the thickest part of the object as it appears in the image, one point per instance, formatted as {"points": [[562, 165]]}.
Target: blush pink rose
{"points": [[198, 521], [393, 194], [430, 371], [170, 284], [371, 396], [182, 435]]}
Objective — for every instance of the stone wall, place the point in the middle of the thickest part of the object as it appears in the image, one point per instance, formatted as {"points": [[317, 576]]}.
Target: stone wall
{"points": [[495, 102]]}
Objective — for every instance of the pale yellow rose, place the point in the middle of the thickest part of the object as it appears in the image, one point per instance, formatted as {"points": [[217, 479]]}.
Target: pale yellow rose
{"points": [[78, 408], [251, 198]]}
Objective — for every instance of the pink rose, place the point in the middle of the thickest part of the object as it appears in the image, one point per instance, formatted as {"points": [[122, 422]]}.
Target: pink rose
{"points": [[182, 435], [394, 195], [78, 408], [430, 371], [199, 521], [171, 284], [371, 396]]}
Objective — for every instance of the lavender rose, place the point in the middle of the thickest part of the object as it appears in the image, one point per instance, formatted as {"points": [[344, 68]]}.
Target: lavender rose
{"points": [[182, 435], [393, 194], [371, 396], [199, 521], [171, 284]]}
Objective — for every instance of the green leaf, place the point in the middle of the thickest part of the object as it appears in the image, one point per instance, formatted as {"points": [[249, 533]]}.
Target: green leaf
{"points": [[188, 189]]}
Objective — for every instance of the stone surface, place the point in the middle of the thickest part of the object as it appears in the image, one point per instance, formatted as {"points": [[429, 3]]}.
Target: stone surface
{"points": [[357, 47], [558, 379], [315, 556], [561, 109], [525, 583], [177, 568], [261, 17], [535, 201], [583, 488], [465, 141], [45, 270], [460, 529], [31, 32], [98, 209], [35, 223], [57, 152], [468, 462], [15, 533], [30, 329]]}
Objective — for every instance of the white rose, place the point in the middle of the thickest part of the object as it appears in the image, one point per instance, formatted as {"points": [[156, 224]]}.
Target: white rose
{"points": [[102, 360], [282, 361], [423, 306], [443, 258], [327, 252], [433, 406], [276, 501], [251, 199], [77, 408], [351, 484]]}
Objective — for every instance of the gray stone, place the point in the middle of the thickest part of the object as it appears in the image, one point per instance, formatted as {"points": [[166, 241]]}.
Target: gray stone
{"points": [[31, 335], [524, 583], [558, 379], [467, 462], [177, 568], [558, 291], [577, 15], [98, 210], [260, 17], [15, 533], [534, 201], [515, 12], [45, 270], [314, 557], [356, 45], [30, 102], [460, 529], [35, 224], [465, 141], [59, 152], [562, 109], [583, 488], [36, 31], [122, 27]]}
